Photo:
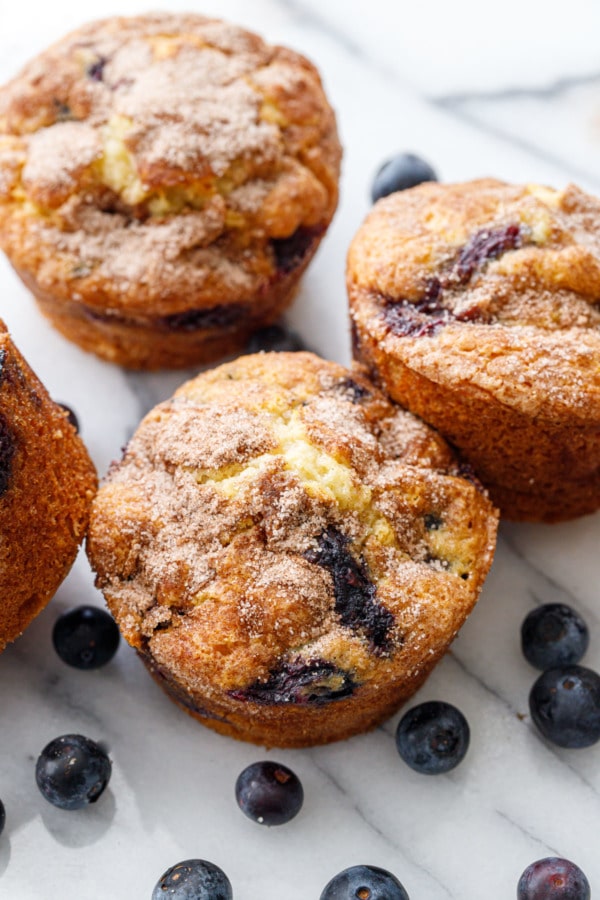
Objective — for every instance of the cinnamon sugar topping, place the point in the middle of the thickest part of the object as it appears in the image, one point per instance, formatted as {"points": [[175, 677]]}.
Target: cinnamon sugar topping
{"points": [[151, 160], [256, 520]]}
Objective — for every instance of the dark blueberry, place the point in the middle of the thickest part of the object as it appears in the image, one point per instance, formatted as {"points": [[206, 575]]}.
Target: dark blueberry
{"points": [[432, 522], [291, 251], [193, 879], [2, 817], [86, 637], [72, 771], [424, 317], [222, 316], [364, 883], [353, 590], [433, 737], [565, 705], [274, 338], [71, 417], [95, 71], [314, 681], [553, 879], [554, 635], [7, 452], [352, 390], [403, 171], [62, 110], [269, 793], [484, 245]]}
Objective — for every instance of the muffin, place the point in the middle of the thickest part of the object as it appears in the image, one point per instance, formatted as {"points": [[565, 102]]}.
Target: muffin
{"points": [[164, 182], [289, 552], [47, 481], [476, 306]]}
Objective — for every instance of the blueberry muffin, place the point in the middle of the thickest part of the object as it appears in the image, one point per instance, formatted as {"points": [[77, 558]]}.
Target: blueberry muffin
{"points": [[47, 482], [164, 182], [476, 306], [289, 552]]}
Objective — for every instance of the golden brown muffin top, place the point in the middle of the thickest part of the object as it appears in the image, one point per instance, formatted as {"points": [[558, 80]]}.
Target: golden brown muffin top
{"points": [[136, 151], [489, 284], [279, 515]]}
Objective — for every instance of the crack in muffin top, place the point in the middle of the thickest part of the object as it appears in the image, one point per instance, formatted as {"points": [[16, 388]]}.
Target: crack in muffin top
{"points": [[139, 150]]}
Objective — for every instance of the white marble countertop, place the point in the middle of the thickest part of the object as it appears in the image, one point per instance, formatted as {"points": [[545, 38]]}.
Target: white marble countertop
{"points": [[512, 92]]}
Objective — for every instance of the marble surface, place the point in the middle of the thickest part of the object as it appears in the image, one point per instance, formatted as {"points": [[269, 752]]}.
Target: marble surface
{"points": [[519, 99]]}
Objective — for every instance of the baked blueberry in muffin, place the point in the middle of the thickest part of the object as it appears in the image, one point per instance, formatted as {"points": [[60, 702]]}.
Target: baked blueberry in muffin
{"points": [[164, 182], [476, 306], [289, 552], [47, 482]]}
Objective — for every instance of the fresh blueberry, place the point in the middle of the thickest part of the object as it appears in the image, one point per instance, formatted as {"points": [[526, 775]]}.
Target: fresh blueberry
{"points": [[433, 737], [193, 879], [275, 338], [364, 883], [2, 817], [403, 171], [86, 637], [71, 417], [72, 771], [269, 793], [565, 705], [554, 635], [553, 879]]}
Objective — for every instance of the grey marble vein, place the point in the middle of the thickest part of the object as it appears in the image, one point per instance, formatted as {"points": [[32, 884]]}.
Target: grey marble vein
{"points": [[309, 17], [376, 830], [548, 849], [556, 160], [546, 92], [547, 589]]}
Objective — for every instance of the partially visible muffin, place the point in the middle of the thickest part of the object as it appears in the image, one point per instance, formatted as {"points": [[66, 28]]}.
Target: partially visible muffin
{"points": [[476, 306], [164, 181], [47, 482], [289, 552]]}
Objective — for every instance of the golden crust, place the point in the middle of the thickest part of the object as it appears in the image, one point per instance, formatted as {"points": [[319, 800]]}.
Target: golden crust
{"points": [[47, 482], [164, 165], [289, 552], [475, 305]]}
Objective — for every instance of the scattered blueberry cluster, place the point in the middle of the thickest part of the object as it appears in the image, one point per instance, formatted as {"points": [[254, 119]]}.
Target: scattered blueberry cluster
{"points": [[565, 700]]}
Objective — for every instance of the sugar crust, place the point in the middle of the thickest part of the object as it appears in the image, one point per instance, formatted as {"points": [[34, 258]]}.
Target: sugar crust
{"points": [[202, 538]]}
